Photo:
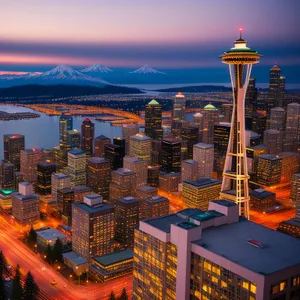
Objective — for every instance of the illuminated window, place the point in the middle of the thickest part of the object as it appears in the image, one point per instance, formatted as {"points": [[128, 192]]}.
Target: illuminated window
{"points": [[282, 285], [253, 288], [223, 284], [275, 289], [246, 285]]}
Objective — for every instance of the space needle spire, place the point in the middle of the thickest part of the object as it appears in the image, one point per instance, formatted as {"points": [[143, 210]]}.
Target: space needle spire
{"points": [[235, 187]]}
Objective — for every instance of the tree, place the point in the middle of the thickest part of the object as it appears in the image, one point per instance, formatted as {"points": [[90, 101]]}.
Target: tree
{"points": [[2, 290], [49, 254], [57, 251], [32, 238], [17, 289], [3, 265], [112, 296], [30, 290], [124, 295]]}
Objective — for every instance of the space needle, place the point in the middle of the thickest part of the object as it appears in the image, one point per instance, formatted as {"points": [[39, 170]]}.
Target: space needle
{"points": [[235, 187]]}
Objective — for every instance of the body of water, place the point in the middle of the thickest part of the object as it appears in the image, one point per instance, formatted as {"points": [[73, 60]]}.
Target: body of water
{"points": [[43, 132]]}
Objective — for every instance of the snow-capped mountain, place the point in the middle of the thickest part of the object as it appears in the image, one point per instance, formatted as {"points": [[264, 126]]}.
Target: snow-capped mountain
{"points": [[147, 70], [61, 74], [97, 68]]}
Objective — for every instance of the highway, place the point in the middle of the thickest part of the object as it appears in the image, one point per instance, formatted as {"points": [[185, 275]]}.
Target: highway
{"points": [[17, 253]]}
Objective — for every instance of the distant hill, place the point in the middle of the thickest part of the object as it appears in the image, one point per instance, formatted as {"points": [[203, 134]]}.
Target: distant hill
{"points": [[197, 89], [34, 90]]}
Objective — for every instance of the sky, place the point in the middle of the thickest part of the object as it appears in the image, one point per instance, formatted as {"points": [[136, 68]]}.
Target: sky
{"points": [[36, 34]]}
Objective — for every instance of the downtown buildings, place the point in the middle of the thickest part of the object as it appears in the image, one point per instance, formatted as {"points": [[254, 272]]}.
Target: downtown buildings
{"points": [[13, 144], [153, 120]]}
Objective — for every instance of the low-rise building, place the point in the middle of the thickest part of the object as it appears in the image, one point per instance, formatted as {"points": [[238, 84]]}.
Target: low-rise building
{"points": [[48, 236], [262, 200]]}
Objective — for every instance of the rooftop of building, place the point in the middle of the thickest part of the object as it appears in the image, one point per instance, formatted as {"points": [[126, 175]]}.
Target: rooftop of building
{"points": [[60, 175], [209, 107], [236, 242], [190, 161], [32, 151], [179, 95], [275, 68], [203, 182], [123, 171], [133, 158], [140, 137], [75, 258], [115, 257], [171, 140], [74, 131], [269, 157], [204, 146], [147, 188], [288, 154], [172, 174], [293, 221], [156, 199], [76, 152], [127, 200], [294, 104], [97, 160], [14, 136], [278, 109], [66, 190], [112, 146], [81, 188], [25, 197], [46, 164], [197, 115], [50, 234], [258, 147], [153, 102], [261, 193], [101, 207], [101, 137], [6, 192]]}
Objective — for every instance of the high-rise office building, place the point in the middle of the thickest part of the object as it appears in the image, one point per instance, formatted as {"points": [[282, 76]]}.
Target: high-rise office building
{"points": [[289, 166], [113, 153], [268, 170], [210, 118], [140, 146], [169, 182], [171, 155], [277, 119], [145, 192], [153, 120], [60, 158], [80, 191], [292, 126], [127, 218], [189, 170], [13, 144], [176, 127], [65, 199], [198, 193], [123, 184], [156, 152], [99, 143], [59, 181], [226, 110], [274, 94], [44, 175], [93, 227], [189, 137], [98, 175], [281, 102], [65, 124], [73, 139], [30, 158], [250, 99], [87, 136], [178, 107], [77, 167], [204, 155], [153, 175], [129, 130], [154, 207], [273, 139], [191, 262], [122, 144], [198, 122], [221, 139], [295, 192], [258, 123], [138, 166], [25, 204], [7, 175], [240, 59]]}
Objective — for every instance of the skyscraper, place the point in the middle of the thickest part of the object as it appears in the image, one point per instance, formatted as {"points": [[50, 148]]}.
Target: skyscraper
{"points": [[273, 139], [178, 107], [73, 139], [240, 59], [127, 218], [226, 110], [196, 257], [13, 144], [274, 94], [93, 227], [189, 170], [113, 153], [189, 137], [140, 146], [277, 119], [289, 166], [292, 126], [122, 144], [153, 175], [198, 122], [153, 120], [87, 136], [77, 167], [44, 175], [250, 99], [138, 166], [171, 155], [204, 155], [30, 158], [99, 143], [98, 174], [7, 175], [59, 181], [258, 123], [156, 152], [65, 199], [65, 124], [129, 130], [210, 118]]}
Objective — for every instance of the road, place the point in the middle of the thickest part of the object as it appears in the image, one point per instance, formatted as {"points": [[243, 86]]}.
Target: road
{"points": [[17, 253]]}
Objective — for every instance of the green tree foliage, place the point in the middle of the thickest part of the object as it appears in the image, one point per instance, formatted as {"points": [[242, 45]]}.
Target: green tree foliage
{"points": [[112, 296], [32, 238], [30, 290], [3, 265], [17, 289], [57, 251]]}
